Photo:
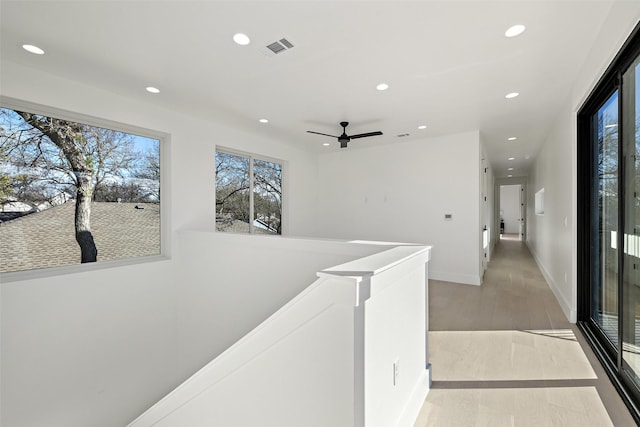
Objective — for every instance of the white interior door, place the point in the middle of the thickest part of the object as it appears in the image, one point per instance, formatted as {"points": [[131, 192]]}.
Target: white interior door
{"points": [[522, 222]]}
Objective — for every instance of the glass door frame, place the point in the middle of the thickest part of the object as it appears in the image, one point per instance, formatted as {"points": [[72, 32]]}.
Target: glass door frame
{"points": [[609, 355]]}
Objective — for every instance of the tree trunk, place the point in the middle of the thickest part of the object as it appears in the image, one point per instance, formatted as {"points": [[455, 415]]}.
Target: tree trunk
{"points": [[88, 249], [68, 137]]}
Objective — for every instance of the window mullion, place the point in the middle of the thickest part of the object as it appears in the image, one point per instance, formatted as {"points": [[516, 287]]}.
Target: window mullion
{"points": [[251, 196]]}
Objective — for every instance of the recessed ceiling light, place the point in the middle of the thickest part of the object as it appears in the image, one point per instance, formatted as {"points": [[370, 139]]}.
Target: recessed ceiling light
{"points": [[510, 169], [382, 86], [326, 144], [33, 49], [152, 89], [263, 121], [511, 158], [512, 138], [511, 95], [422, 127], [509, 176], [241, 39], [515, 30]]}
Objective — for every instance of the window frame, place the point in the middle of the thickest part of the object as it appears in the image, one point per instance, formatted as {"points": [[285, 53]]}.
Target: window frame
{"points": [[610, 82], [284, 171], [165, 200]]}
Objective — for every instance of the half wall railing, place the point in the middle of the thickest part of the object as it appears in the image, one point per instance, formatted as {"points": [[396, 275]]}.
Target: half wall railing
{"points": [[349, 350]]}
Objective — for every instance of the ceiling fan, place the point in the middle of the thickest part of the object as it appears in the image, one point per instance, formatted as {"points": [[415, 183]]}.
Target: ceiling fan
{"points": [[344, 138]]}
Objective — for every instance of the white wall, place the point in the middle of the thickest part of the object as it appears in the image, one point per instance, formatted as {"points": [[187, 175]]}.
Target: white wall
{"points": [[88, 348], [401, 192], [231, 283], [510, 208], [97, 348], [552, 236], [395, 319]]}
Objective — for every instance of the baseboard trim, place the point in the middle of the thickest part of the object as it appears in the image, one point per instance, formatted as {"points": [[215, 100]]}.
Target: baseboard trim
{"points": [[419, 394], [569, 312]]}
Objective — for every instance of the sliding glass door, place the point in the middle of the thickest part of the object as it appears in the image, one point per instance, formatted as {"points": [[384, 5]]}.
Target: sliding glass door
{"points": [[631, 281], [609, 221], [605, 199]]}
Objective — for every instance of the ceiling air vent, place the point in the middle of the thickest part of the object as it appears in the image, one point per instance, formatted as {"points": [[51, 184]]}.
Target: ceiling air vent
{"points": [[279, 46]]}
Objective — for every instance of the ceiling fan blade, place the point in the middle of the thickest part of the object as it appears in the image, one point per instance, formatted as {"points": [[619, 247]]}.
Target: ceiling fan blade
{"points": [[319, 133], [363, 135]]}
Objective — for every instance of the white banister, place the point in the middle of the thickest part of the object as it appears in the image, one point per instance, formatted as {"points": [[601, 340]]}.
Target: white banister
{"points": [[350, 350]]}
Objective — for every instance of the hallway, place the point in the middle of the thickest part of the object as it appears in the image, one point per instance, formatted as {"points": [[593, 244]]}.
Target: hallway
{"points": [[504, 354]]}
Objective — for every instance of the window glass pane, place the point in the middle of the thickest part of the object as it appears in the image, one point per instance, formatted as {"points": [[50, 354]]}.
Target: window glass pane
{"points": [[605, 290], [248, 194], [631, 283], [232, 193], [71, 193], [267, 197]]}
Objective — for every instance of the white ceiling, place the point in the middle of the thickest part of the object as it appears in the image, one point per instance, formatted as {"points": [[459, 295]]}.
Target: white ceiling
{"points": [[448, 63]]}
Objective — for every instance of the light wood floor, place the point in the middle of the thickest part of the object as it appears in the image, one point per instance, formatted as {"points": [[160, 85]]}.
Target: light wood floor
{"points": [[504, 354]]}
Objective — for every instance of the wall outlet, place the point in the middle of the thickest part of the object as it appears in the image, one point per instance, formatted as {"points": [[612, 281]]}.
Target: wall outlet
{"points": [[448, 217], [396, 371]]}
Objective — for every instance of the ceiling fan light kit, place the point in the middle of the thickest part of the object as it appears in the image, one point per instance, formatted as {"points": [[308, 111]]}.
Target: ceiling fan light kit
{"points": [[344, 138]]}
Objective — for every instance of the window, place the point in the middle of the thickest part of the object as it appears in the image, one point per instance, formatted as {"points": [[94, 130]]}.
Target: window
{"points": [[72, 192], [248, 193], [609, 221]]}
